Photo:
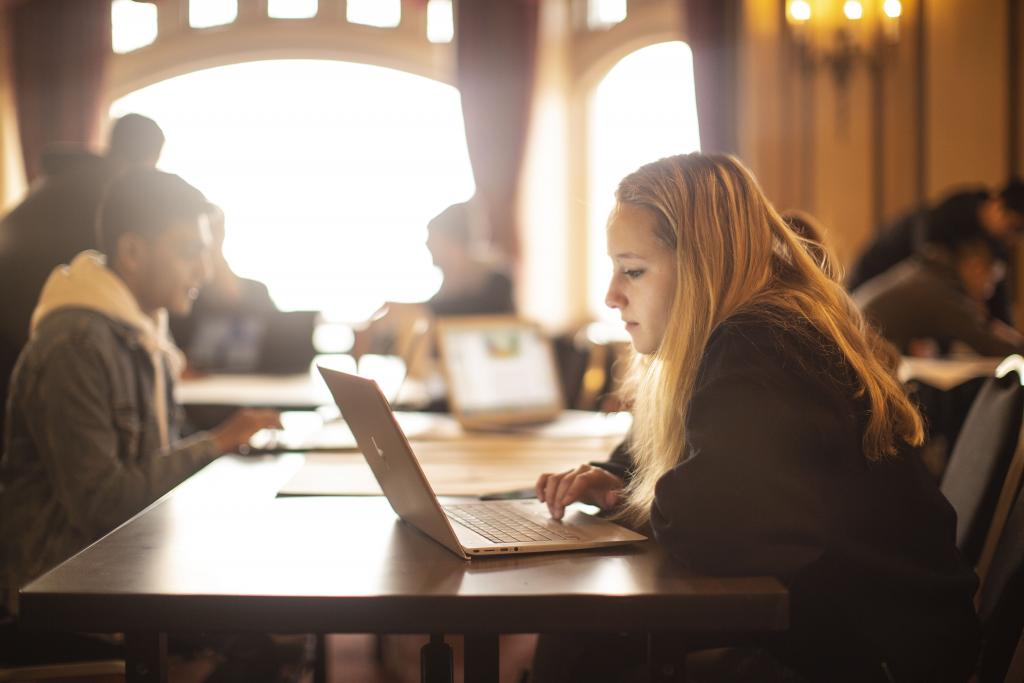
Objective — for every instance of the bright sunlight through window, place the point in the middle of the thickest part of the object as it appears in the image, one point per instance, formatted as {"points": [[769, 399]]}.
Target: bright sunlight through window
{"points": [[212, 13], [327, 172], [603, 14], [440, 22], [644, 109], [132, 25], [380, 13], [291, 9]]}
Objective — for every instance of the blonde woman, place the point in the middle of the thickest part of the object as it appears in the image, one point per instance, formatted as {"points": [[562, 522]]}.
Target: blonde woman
{"points": [[770, 437]]}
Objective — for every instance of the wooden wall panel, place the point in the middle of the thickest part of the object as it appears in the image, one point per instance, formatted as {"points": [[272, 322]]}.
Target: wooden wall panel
{"points": [[764, 138], [1018, 36], [967, 131], [900, 119], [957, 50], [842, 160]]}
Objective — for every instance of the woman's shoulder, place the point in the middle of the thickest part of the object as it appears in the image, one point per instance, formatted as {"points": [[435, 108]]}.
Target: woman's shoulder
{"points": [[775, 344], [754, 334]]}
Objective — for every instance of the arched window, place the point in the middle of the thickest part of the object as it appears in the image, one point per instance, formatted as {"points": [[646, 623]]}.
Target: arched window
{"points": [[327, 172], [642, 110]]}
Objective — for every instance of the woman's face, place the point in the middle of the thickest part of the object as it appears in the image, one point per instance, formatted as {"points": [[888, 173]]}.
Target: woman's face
{"points": [[644, 279]]}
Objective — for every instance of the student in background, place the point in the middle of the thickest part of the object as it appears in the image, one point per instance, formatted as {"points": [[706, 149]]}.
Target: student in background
{"points": [[937, 298], [1000, 215], [92, 431], [57, 220], [471, 286], [225, 295], [770, 437]]}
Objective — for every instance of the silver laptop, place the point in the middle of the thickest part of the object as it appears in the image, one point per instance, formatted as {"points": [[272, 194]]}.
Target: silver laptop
{"points": [[500, 370], [470, 529]]}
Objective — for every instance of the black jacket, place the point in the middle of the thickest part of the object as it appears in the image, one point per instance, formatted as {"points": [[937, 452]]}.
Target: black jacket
{"points": [[774, 482]]}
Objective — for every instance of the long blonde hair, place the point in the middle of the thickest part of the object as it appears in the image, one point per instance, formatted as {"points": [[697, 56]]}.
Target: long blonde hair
{"points": [[735, 254]]}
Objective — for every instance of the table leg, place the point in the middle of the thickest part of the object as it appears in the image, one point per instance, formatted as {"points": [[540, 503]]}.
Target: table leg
{"points": [[666, 658], [481, 664], [145, 655], [320, 659], [436, 661]]}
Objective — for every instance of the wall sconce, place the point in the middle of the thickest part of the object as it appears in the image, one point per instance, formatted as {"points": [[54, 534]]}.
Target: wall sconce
{"points": [[839, 33]]}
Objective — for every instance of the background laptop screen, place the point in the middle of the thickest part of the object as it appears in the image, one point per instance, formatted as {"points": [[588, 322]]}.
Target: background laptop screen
{"points": [[499, 367]]}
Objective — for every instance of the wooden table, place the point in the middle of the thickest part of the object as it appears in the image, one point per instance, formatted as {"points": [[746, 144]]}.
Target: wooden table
{"points": [[470, 466], [223, 552]]}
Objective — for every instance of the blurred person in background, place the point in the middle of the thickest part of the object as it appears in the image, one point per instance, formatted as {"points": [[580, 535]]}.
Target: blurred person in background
{"points": [[57, 220], [999, 215]]}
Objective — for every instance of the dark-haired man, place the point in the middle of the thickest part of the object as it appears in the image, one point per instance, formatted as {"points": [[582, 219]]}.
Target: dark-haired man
{"points": [[92, 432]]}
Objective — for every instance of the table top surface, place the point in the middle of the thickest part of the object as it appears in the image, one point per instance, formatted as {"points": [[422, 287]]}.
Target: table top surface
{"points": [[223, 551]]}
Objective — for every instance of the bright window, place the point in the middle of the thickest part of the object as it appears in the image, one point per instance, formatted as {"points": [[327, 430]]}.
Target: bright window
{"points": [[602, 14], [381, 13], [644, 109], [328, 173], [440, 22], [291, 9], [133, 25], [207, 13]]}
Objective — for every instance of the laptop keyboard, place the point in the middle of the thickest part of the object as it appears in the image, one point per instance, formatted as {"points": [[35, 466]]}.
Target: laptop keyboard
{"points": [[504, 523]]}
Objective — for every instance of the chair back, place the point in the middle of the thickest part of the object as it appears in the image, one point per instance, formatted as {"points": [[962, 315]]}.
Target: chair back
{"points": [[1016, 672], [1000, 599], [981, 459]]}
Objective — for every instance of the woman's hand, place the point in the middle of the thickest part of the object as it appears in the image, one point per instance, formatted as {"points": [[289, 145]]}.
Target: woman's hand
{"points": [[586, 483]]}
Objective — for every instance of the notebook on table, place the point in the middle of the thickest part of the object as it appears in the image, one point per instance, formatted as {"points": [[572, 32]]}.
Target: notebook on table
{"points": [[468, 530]]}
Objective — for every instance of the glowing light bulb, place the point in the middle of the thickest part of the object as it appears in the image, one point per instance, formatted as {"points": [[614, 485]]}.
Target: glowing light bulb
{"points": [[853, 10], [800, 11], [892, 8]]}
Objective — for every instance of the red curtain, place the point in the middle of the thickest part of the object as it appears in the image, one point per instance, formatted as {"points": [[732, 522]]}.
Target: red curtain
{"points": [[496, 43], [713, 30], [59, 56]]}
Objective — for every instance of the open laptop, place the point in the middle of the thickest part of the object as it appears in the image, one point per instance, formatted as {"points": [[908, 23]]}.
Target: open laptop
{"points": [[276, 342], [500, 371], [470, 529]]}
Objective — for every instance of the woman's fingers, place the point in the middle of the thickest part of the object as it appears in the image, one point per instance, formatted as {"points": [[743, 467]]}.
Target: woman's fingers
{"points": [[567, 484], [554, 483], [589, 486], [585, 483], [542, 482]]}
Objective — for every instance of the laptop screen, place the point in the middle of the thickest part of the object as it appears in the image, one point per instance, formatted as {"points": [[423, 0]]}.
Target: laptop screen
{"points": [[252, 342], [499, 366]]}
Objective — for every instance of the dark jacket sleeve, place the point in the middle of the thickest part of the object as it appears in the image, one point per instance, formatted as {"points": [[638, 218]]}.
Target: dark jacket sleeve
{"points": [[76, 430], [619, 463], [745, 501]]}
